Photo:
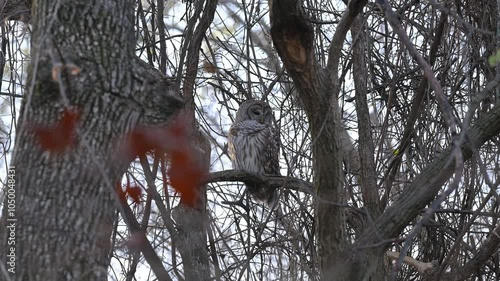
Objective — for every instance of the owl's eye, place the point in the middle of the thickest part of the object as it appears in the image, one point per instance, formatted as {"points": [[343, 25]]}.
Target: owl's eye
{"points": [[256, 111]]}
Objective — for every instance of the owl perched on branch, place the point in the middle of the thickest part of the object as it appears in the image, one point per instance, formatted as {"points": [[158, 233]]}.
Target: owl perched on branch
{"points": [[254, 146]]}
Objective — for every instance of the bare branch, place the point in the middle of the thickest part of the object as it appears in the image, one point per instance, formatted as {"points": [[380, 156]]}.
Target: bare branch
{"points": [[270, 180], [428, 183], [487, 250], [429, 74], [139, 239], [354, 7]]}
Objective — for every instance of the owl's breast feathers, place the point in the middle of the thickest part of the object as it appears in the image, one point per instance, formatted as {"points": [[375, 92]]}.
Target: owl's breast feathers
{"points": [[250, 145], [254, 147]]}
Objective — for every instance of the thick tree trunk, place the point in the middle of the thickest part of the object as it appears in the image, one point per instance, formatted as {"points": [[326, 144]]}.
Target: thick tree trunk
{"points": [[293, 37], [83, 60], [193, 222]]}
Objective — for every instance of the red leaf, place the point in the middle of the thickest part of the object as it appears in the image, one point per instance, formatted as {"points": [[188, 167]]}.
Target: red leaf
{"points": [[185, 173], [140, 143], [134, 192], [56, 139], [143, 140]]}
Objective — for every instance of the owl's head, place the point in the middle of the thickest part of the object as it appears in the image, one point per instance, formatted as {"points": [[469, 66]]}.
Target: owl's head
{"points": [[255, 110]]}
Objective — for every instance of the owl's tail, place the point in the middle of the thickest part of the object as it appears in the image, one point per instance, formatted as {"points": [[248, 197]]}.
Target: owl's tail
{"points": [[263, 193]]}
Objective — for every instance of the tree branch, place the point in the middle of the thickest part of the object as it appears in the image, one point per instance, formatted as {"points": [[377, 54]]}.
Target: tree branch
{"points": [[443, 102], [366, 149], [489, 247], [354, 7], [15, 10], [427, 184], [421, 267], [139, 237], [270, 180]]}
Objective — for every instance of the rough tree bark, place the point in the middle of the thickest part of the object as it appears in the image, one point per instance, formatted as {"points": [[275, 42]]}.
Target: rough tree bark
{"points": [[83, 59], [293, 37]]}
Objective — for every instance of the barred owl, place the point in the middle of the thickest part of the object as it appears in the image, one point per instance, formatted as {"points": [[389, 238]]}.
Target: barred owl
{"points": [[254, 146]]}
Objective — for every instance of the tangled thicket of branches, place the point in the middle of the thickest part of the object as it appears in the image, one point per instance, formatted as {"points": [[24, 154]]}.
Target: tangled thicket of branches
{"points": [[237, 61]]}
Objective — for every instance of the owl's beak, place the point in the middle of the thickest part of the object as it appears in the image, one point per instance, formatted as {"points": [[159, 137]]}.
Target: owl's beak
{"points": [[261, 120]]}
